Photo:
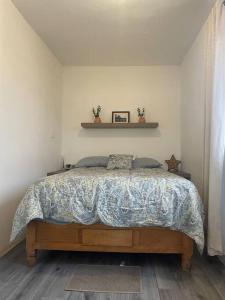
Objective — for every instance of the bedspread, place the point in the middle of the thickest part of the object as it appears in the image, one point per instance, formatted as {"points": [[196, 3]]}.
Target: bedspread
{"points": [[119, 198]]}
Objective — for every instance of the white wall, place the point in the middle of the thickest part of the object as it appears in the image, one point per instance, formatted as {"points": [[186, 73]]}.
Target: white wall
{"points": [[193, 111], [30, 92], [121, 88]]}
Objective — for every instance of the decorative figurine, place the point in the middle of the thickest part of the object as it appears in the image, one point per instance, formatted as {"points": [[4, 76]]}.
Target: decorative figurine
{"points": [[141, 115], [173, 164], [96, 114]]}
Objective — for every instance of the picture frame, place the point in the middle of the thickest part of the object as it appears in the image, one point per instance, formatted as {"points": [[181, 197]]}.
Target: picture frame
{"points": [[121, 117]]}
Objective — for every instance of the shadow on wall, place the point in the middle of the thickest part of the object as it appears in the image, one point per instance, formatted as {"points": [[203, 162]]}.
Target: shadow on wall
{"points": [[7, 211], [119, 133]]}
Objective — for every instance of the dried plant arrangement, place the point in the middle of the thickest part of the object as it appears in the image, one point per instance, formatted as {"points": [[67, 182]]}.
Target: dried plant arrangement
{"points": [[96, 113], [141, 115]]}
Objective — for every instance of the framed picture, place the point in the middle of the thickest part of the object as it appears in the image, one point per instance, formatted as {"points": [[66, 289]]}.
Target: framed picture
{"points": [[120, 117]]}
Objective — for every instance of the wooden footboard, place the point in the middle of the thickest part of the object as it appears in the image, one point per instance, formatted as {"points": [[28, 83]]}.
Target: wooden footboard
{"points": [[101, 238]]}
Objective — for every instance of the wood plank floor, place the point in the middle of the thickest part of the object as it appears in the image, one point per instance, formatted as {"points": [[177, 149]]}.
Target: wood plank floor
{"points": [[162, 278]]}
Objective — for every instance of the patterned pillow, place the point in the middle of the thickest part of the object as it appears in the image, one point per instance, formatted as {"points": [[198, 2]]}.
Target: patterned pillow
{"points": [[120, 161]]}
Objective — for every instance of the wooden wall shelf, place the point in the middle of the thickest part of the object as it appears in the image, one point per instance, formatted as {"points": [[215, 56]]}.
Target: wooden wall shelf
{"points": [[119, 125]]}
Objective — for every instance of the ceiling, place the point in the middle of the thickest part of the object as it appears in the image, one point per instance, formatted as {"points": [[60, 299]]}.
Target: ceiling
{"points": [[117, 32]]}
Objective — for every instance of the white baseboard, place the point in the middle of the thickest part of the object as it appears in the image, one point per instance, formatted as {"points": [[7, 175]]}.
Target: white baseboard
{"points": [[11, 246]]}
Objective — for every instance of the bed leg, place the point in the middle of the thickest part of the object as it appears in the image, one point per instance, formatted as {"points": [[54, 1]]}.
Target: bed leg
{"points": [[32, 258], [30, 244], [187, 253], [186, 262]]}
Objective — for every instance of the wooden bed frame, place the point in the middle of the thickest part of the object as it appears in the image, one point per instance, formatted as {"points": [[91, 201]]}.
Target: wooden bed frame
{"points": [[101, 238]]}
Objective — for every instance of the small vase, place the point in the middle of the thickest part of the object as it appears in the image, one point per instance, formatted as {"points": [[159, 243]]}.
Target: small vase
{"points": [[97, 120], [141, 120]]}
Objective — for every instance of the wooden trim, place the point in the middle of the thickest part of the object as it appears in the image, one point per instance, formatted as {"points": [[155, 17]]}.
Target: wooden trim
{"points": [[119, 125], [101, 238]]}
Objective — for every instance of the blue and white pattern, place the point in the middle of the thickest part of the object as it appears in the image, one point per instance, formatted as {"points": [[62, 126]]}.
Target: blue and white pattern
{"points": [[120, 198]]}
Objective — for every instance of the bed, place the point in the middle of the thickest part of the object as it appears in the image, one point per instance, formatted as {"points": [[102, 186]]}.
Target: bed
{"points": [[94, 209]]}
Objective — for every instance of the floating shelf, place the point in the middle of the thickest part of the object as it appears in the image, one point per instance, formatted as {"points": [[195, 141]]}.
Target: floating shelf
{"points": [[119, 125]]}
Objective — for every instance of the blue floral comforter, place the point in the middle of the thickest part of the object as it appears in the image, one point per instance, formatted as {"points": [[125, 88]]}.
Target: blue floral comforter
{"points": [[120, 198]]}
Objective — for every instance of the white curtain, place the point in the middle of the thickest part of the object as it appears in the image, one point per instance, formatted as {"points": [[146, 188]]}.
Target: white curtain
{"points": [[216, 194]]}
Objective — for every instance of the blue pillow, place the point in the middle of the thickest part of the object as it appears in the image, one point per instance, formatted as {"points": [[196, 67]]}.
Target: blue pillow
{"points": [[92, 161], [144, 162]]}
